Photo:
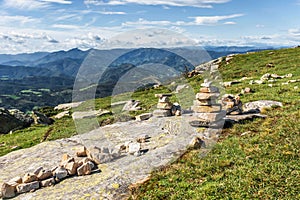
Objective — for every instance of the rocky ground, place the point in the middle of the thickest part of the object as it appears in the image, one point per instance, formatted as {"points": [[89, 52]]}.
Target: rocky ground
{"points": [[169, 138]]}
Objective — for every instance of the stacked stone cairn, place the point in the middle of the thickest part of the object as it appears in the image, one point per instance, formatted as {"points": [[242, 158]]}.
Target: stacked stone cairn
{"points": [[207, 112], [80, 165], [233, 104], [165, 108]]}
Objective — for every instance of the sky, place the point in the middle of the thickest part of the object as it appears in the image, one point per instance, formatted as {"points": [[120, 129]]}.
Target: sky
{"points": [[52, 25]]}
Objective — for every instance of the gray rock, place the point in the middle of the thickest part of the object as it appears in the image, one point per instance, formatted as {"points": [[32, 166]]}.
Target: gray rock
{"points": [[143, 116], [27, 187], [259, 105], [48, 182], [161, 113], [131, 105], [62, 114], [40, 118], [67, 106], [60, 173], [9, 122]]}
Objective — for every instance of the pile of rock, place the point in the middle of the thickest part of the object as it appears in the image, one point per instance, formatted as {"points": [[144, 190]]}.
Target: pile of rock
{"points": [[42, 177], [233, 104], [207, 112], [134, 147], [164, 105]]}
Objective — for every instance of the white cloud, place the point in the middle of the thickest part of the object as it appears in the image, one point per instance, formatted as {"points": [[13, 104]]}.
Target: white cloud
{"points": [[192, 3], [199, 20], [143, 22], [209, 20], [260, 26], [229, 23], [111, 13], [16, 20], [66, 26], [294, 32], [58, 1], [25, 4], [32, 4]]}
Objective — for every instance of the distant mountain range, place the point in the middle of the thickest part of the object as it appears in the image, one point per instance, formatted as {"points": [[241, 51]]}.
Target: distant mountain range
{"points": [[43, 78]]}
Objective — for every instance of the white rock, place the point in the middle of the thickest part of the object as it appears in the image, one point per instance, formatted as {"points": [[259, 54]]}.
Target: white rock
{"points": [[134, 147]]}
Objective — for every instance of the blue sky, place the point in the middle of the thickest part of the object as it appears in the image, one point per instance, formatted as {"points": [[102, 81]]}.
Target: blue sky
{"points": [[51, 25]]}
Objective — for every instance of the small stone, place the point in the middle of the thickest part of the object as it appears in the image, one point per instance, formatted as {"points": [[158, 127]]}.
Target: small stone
{"points": [[65, 157], [29, 177], [120, 147], [178, 113], [142, 138], [164, 106], [48, 182], [83, 161], [102, 155], [65, 161], [207, 96], [9, 189], [210, 117], [207, 109], [229, 105], [208, 102], [17, 179], [211, 89], [162, 113], [259, 81], [206, 83], [60, 173], [247, 90], [27, 187], [289, 75], [196, 143], [162, 95], [71, 167], [143, 117], [44, 174], [134, 147], [85, 169], [137, 154], [164, 99], [81, 151], [37, 171]]}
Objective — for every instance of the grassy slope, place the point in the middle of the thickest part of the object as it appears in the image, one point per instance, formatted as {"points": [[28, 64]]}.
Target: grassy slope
{"points": [[262, 164]]}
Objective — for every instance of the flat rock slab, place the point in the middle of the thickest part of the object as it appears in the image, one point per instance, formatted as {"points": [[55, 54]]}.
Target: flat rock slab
{"points": [[169, 138]]}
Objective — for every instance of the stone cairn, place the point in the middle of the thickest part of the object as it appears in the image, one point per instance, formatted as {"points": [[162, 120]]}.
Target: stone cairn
{"points": [[207, 112], [233, 104], [41, 177], [165, 108]]}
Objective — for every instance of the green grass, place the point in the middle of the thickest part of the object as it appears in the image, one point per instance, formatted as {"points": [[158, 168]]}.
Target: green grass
{"points": [[263, 164]]}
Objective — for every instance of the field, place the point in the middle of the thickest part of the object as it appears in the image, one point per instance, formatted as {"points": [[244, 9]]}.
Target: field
{"points": [[254, 160]]}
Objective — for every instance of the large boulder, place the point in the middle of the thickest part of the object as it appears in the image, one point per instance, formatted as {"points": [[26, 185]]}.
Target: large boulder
{"points": [[259, 105], [40, 118], [13, 121]]}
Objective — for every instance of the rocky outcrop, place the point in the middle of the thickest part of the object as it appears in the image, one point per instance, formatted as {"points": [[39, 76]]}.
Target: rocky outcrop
{"points": [[257, 106], [13, 121], [40, 118]]}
